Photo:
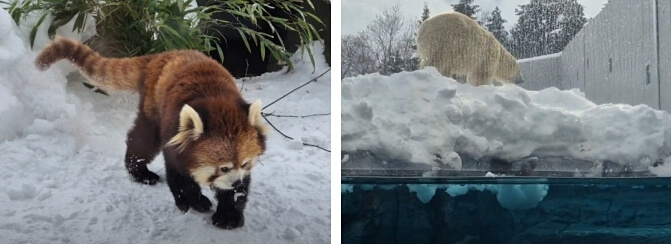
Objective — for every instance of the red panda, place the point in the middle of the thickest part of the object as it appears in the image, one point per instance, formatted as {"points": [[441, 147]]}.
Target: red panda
{"points": [[191, 109]]}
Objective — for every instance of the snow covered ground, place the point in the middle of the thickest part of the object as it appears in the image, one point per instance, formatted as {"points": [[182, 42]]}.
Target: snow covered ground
{"points": [[414, 116], [63, 179]]}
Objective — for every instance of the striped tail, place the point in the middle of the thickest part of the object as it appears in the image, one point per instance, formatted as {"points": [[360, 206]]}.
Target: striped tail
{"points": [[106, 73]]}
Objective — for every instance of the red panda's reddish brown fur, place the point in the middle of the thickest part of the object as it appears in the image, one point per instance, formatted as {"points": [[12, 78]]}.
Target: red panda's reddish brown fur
{"points": [[189, 107]]}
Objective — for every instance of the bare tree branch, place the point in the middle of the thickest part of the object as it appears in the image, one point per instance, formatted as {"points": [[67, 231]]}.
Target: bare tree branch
{"points": [[385, 32], [305, 84], [357, 55], [291, 138], [278, 130], [387, 45], [245, 77], [294, 116]]}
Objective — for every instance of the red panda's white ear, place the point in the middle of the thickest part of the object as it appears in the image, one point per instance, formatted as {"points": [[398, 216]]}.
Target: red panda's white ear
{"points": [[255, 117], [190, 127]]}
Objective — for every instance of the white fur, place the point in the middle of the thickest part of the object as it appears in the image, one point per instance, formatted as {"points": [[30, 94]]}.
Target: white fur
{"points": [[255, 117], [456, 45], [225, 181], [238, 194], [252, 162], [188, 116], [202, 174]]}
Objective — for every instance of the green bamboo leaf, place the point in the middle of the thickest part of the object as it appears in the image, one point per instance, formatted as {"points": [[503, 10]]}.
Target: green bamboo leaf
{"points": [[220, 51], [244, 39], [279, 38], [180, 5], [194, 10], [312, 59], [290, 65], [263, 51], [288, 27], [12, 7], [33, 32], [79, 22], [277, 55], [15, 12], [59, 20], [272, 27], [255, 38], [235, 12], [315, 32], [252, 13], [298, 11], [208, 43], [314, 17]]}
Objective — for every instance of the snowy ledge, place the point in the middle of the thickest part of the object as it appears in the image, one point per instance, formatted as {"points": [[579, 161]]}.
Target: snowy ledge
{"points": [[423, 121], [543, 57]]}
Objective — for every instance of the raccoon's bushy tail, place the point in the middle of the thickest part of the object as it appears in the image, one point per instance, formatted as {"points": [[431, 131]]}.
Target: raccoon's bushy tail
{"points": [[106, 73]]}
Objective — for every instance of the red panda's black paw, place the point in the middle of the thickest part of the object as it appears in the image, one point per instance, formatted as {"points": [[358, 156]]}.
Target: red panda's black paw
{"points": [[202, 204], [147, 178], [228, 220], [182, 206]]}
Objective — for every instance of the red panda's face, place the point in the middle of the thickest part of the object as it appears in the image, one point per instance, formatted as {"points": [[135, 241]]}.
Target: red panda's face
{"points": [[224, 163], [223, 175], [221, 152]]}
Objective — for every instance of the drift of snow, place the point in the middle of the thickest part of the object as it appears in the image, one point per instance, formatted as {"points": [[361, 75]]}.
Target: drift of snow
{"points": [[63, 178], [413, 116], [663, 170], [11, 45]]}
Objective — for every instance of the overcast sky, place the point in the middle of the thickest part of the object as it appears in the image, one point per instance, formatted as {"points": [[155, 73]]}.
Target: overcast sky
{"points": [[356, 14]]}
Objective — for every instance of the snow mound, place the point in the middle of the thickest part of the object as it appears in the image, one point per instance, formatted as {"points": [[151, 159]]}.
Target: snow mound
{"points": [[415, 116], [663, 170], [11, 45], [31, 97]]}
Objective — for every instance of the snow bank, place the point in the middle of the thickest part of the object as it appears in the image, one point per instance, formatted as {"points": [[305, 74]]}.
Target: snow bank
{"points": [[663, 170], [414, 116], [11, 45], [21, 83]]}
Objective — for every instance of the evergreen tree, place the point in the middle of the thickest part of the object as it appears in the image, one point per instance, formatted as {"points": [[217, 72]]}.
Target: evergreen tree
{"points": [[545, 27], [571, 19], [494, 23], [466, 7], [483, 20], [425, 13], [413, 63], [531, 33], [397, 63]]}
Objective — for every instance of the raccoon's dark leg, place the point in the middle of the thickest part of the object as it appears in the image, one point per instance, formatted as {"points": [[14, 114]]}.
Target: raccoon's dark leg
{"points": [[184, 189], [142, 145], [231, 205]]}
